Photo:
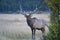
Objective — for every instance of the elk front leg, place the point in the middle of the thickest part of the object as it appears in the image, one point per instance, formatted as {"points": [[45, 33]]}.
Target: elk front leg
{"points": [[33, 34]]}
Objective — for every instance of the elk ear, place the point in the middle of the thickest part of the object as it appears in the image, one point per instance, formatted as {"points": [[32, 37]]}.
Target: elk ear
{"points": [[25, 15], [30, 15]]}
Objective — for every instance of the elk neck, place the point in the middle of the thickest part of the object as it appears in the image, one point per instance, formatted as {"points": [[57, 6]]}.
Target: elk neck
{"points": [[29, 22]]}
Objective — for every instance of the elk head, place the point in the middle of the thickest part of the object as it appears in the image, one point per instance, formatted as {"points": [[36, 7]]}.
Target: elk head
{"points": [[27, 16]]}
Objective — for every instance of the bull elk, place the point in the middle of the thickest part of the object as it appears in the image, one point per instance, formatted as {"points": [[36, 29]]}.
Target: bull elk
{"points": [[36, 24]]}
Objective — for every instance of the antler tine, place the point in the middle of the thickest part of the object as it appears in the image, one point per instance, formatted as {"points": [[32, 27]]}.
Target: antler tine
{"points": [[24, 14]]}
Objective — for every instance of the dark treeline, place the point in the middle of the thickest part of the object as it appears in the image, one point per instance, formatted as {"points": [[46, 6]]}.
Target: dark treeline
{"points": [[26, 5]]}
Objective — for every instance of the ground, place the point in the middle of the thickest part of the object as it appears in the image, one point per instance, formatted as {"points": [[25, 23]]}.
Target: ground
{"points": [[14, 27]]}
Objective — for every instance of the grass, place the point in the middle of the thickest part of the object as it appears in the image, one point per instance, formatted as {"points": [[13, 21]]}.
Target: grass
{"points": [[12, 30], [16, 36]]}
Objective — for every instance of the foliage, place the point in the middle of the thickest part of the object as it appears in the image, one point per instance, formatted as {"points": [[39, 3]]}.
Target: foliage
{"points": [[14, 5], [54, 27]]}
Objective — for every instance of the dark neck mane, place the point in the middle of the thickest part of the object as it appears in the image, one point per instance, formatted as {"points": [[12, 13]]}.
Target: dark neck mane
{"points": [[29, 22]]}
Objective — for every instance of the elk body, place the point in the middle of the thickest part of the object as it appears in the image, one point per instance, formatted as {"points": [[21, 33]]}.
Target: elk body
{"points": [[35, 24]]}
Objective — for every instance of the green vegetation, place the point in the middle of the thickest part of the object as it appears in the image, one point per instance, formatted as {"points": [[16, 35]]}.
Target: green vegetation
{"points": [[14, 36], [17, 35], [27, 5], [54, 27]]}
